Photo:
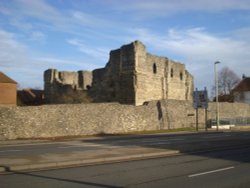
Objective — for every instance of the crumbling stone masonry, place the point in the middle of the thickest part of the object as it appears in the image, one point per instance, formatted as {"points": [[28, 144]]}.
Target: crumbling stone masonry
{"points": [[131, 76], [56, 82]]}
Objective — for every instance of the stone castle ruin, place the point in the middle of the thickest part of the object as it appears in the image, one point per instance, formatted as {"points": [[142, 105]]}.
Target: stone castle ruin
{"points": [[131, 76], [64, 82]]}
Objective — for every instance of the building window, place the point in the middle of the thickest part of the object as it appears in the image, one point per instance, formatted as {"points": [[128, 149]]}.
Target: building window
{"points": [[154, 68], [172, 73], [181, 76]]}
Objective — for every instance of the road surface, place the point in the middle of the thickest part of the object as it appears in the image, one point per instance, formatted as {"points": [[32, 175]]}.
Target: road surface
{"points": [[225, 168]]}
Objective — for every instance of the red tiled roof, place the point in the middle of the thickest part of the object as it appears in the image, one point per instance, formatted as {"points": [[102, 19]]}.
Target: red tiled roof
{"points": [[244, 85], [6, 79]]}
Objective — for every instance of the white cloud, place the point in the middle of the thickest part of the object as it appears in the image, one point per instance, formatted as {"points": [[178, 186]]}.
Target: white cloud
{"points": [[20, 24], [96, 52], [10, 49], [165, 7], [38, 36], [39, 9], [57, 63], [84, 19], [16, 61], [199, 50], [27, 14], [195, 47]]}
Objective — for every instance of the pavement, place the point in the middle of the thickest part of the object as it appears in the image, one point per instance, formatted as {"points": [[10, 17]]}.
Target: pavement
{"points": [[94, 150]]}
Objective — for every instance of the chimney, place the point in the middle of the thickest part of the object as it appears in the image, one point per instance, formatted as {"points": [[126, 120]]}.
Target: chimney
{"points": [[243, 76]]}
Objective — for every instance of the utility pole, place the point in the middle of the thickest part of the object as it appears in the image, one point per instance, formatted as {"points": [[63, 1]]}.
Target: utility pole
{"points": [[217, 97]]}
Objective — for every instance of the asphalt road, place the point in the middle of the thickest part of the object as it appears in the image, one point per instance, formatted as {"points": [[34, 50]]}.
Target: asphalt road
{"points": [[225, 168], [79, 152], [173, 141]]}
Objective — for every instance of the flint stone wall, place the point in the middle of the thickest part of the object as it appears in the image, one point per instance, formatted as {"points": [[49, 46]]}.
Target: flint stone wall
{"points": [[90, 119]]}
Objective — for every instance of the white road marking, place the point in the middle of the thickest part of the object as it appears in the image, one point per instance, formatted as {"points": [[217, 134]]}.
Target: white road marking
{"points": [[9, 151], [212, 171]]}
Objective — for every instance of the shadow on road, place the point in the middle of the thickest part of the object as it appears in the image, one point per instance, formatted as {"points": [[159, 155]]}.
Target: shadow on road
{"points": [[59, 179], [196, 143]]}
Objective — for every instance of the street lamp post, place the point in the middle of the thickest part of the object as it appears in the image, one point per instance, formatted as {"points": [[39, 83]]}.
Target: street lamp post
{"points": [[216, 93]]}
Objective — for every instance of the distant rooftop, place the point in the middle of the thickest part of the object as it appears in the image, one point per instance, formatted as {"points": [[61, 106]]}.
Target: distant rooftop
{"points": [[5, 79], [244, 85]]}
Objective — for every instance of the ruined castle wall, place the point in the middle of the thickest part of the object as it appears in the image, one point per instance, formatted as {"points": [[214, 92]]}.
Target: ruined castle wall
{"points": [[189, 86], [89, 119], [160, 78], [114, 74], [150, 78], [49, 76], [84, 79], [106, 81], [116, 81], [68, 78], [127, 74], [131, 76], [177, 78], [57, 83]]}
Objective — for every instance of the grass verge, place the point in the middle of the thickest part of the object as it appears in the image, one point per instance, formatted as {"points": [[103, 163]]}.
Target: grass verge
{"points": [[61, 138]]}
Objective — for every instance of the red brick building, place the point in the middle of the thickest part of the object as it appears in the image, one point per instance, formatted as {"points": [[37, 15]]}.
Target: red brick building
{"points": [[8, 90], [241, 92]]}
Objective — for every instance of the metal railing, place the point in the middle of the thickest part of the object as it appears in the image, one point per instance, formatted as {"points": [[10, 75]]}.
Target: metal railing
{"points": [[230, 121]]}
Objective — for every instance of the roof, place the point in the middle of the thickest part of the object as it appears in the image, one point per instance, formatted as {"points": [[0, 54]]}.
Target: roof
{"points": [[244, 85], [5, 79], [31, 96]]}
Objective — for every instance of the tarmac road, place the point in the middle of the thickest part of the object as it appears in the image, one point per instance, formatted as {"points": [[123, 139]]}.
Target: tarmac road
{"points": [[16, 156], [221, 168]]}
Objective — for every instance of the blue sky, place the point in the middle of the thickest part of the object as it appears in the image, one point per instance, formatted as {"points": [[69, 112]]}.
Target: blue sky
{"points": [[78, 34]]}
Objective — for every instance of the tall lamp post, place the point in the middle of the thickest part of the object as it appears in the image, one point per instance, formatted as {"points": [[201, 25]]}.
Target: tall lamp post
{"points": [[216, 93]]}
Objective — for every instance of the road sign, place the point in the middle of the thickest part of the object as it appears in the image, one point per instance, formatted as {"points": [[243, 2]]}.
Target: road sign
{"points": [[200, 99]]}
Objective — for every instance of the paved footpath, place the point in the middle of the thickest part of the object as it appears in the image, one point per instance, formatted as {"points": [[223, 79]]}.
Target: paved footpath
{"points": [[28, 155]]}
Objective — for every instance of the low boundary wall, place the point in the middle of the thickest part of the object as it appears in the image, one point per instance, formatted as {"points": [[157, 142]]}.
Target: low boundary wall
{"points": [[97, 118]]}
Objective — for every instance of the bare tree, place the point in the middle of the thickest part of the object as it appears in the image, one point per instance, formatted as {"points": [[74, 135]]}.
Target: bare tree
{"points": [[227, 80]]}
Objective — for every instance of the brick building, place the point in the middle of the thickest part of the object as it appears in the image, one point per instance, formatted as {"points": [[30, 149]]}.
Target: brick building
{"points": [[241, 92], [8, 91]]}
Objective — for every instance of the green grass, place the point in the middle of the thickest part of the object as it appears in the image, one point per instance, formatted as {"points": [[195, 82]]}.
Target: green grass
{"points": [[159, 131], [59, 138]]}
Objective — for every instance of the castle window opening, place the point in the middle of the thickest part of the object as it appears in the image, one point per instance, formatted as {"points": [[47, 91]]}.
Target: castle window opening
{"points": [[172, 73], [154, 68], [181, 76], [88, 87]]}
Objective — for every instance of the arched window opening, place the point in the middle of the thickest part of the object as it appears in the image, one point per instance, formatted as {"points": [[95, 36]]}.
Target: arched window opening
{"points": [[181, 76], [154, 68], [172, 73]]}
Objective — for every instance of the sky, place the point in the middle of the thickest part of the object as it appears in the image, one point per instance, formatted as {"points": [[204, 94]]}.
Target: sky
{"points": [[72, 35]]}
